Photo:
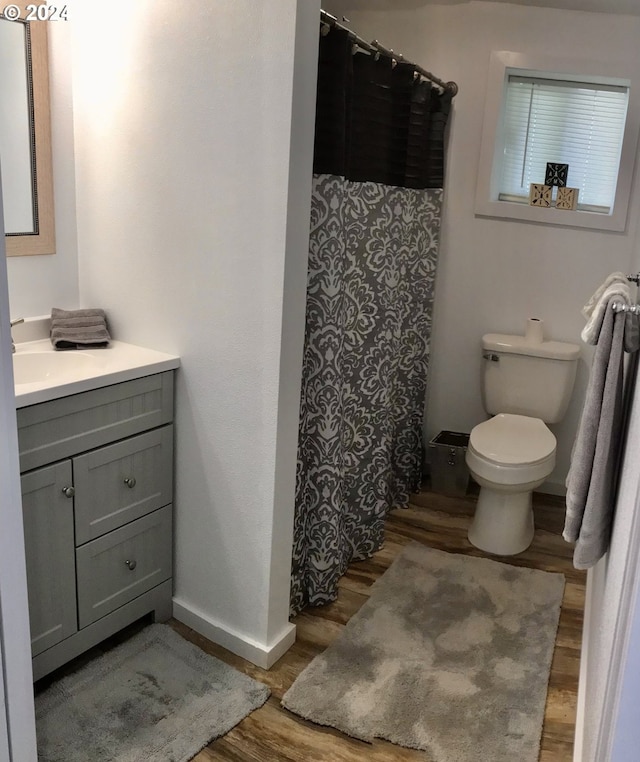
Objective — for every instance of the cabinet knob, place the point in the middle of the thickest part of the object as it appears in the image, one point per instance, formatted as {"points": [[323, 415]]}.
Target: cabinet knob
{"points": [[69, 491], [131, 565], [130, 481]]}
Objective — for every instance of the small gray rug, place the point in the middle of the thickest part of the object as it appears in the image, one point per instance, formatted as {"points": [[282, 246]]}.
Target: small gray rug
{"points": [[450, 654], [155, 698]]}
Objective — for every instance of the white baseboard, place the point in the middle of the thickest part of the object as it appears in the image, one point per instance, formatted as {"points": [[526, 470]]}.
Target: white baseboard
{"points": [[260, 654]]}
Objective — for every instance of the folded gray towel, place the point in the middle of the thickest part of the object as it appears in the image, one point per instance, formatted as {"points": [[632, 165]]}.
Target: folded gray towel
{"points": [[79, 329]]}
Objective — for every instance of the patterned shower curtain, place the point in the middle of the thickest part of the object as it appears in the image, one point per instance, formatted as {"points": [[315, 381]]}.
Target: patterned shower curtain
{"points": [[375, 219]]}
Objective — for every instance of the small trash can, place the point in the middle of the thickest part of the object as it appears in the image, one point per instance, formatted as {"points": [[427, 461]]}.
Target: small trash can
{"points": [[449, 472]]}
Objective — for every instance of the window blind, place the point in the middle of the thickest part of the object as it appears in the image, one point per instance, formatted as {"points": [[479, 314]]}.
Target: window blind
{"points": [[574, 123]]}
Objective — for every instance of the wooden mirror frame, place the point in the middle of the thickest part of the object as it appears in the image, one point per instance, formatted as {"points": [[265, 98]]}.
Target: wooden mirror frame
{"points": [[44, 240]]}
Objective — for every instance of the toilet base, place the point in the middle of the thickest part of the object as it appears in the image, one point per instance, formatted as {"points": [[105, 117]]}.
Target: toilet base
{"points": [[503, 522]]}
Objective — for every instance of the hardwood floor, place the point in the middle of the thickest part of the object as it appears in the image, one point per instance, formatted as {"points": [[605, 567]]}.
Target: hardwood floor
{"points": [[272, 733]]}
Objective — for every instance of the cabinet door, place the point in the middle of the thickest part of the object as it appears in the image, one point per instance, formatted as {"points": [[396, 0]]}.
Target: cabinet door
{"points": [[49, 547], [122, 482]]}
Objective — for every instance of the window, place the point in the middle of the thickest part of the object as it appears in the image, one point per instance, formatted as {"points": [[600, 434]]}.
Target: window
{"points": [[574, 123], [538, 115]]}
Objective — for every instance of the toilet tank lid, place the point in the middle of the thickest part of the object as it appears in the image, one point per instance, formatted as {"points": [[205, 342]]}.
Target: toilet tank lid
{"points": [[519, 345]]}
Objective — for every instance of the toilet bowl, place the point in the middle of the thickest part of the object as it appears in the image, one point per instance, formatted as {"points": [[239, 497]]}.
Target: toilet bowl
{"points": [[509, 456], [526, 383]]}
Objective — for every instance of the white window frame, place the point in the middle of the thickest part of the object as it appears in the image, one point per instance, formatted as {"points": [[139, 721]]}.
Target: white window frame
{"points": [[502, 64]]}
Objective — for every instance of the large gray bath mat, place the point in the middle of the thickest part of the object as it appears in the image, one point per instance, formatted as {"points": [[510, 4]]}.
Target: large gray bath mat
{"points": [[450, 654], [155, 698]]}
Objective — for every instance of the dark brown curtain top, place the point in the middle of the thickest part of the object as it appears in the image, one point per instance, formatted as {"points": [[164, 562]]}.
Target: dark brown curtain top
{"points": [[375, 121]]}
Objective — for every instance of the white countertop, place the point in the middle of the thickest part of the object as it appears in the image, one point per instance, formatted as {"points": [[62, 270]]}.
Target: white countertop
{"points": [[80, 370]]}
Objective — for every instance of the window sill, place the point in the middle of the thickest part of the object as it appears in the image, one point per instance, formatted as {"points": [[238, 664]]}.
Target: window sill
{"points": [[511, 210]]}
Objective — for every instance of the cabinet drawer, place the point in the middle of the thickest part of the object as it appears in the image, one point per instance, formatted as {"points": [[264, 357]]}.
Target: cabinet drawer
{"points": [[67, 426], [122, 482], [123, 564]]}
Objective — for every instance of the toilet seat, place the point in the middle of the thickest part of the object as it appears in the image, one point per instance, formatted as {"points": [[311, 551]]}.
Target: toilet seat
{"points": [[511, 449], [508, 439]]}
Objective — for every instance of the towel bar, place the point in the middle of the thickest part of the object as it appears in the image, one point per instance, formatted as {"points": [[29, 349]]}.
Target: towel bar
{"points": [[620, 307]]}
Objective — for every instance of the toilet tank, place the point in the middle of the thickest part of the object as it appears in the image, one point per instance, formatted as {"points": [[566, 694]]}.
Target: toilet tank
{"points": [[527, 378]]}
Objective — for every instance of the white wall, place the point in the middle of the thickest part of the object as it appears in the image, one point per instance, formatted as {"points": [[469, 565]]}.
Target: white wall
{"points": [[4, 730], [494, 274], [183, 125], [294, 299], [626, 736], [36, 284], [17, 725], [610, 599]]}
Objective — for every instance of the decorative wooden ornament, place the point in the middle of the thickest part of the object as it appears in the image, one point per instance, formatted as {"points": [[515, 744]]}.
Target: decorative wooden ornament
{"points": [[567, 198], [556, 174], [540, 195]]}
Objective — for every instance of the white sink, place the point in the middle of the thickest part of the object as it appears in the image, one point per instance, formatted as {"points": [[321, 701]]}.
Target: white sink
{"points": [[41, 373], [51, 367]]}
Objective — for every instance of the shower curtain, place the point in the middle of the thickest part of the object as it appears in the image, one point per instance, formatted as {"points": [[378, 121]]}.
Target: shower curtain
{"points": [[375, 219]]}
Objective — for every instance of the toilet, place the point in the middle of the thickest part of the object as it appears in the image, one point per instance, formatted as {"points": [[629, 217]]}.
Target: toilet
{"points": [[526, 383]]}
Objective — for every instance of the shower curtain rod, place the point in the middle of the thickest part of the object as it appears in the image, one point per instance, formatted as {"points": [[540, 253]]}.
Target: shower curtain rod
{"points": [[377, 49]]}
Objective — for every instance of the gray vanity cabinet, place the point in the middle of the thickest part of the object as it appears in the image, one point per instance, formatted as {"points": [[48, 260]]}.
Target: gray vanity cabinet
{"points": [[98, 522]]}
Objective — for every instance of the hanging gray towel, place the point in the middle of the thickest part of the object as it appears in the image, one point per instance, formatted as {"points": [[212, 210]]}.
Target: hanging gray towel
{"points": [[78, 329], [591, 480]]}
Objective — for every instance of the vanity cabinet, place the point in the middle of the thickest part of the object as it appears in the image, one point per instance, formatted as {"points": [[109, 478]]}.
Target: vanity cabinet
{"points": [[98, 520]]}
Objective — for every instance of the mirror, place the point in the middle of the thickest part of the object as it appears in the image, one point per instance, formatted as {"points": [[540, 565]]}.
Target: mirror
{"points": [[25, 137]]}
